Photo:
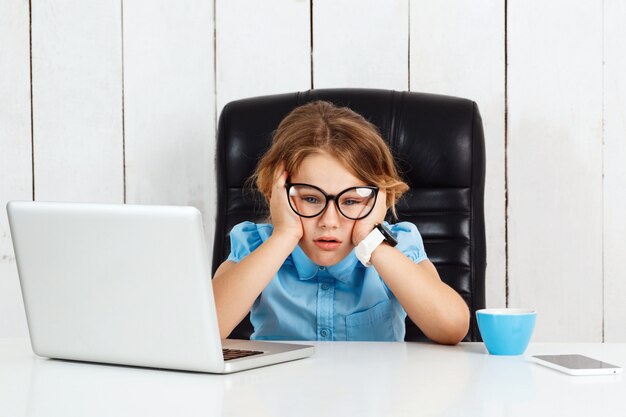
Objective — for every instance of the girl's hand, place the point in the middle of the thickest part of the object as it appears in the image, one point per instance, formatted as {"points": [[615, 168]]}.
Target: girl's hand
{"points": [[363, 227], [286, 222]]}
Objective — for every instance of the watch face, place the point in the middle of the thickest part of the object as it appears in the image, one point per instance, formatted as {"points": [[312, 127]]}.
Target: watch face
{"points": [[389, 237]]}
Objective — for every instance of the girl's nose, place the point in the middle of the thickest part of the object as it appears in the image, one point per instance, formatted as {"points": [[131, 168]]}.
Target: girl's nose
{"points": [[330, 216]]}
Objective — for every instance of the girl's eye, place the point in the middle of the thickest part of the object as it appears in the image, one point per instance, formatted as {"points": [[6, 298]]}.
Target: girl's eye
{"points": [[351, 202], [310, 200]]}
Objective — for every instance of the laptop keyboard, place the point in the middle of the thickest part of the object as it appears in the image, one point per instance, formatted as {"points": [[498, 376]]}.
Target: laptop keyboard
{"points": [[230, 354]]}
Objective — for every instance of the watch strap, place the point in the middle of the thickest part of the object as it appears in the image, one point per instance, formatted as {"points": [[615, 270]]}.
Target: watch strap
{"points": [[364, 249]]}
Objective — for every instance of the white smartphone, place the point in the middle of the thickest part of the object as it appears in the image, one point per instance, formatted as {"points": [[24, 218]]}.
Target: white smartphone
{"points": [[577, 364]]}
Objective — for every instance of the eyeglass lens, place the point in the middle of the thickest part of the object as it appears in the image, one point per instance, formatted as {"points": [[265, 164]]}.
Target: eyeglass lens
{"points": [[354, 203]]}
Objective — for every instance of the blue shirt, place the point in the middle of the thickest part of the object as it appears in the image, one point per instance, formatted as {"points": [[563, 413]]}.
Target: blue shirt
{"points": [[345, 301]]}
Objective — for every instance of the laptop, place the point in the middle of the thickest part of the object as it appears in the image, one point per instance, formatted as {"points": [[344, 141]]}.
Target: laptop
{"points": [[127, 285]]}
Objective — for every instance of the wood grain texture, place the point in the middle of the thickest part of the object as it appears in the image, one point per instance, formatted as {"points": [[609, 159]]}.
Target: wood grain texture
{"points": [[457, 48], [614, 243], [169, 104], [77, 100], [359, 43], [555, 166], [263, 47], [15, 152]]}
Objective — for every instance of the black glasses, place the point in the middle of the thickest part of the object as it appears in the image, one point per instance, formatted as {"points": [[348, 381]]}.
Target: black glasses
{"points": [[354, 203]]}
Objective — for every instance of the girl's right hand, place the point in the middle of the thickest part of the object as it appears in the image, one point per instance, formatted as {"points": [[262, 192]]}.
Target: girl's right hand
{"points": [[286, 222]]}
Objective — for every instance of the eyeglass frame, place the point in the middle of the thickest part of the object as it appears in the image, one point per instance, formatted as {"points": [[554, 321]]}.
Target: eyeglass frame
{"points": [[331, 197]]}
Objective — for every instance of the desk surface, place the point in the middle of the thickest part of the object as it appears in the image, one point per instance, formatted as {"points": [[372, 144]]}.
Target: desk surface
{"points": [[341, 378]]}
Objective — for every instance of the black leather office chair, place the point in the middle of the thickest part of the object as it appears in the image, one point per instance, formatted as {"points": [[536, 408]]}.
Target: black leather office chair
{"points": [[439, 148]]}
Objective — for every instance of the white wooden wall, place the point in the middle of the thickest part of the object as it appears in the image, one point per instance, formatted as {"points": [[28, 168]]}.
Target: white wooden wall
{"points": [[125, 96], [16, 181], [614, 170], [555, 165], [169, 105]]}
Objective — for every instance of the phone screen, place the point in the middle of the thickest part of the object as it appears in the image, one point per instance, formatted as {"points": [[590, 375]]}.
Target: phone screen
{"points": [[575, 361]]}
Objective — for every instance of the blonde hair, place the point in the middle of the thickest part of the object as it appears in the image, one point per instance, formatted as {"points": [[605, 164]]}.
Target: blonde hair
{"points": [[320, 126]]}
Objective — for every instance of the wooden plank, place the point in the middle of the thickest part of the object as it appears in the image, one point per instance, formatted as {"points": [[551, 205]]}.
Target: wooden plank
{"points": [[15, 155], [77, 100], [361, 43], [614, 170], [457, 48], [261, 48], [169, 107], [555, 166]]}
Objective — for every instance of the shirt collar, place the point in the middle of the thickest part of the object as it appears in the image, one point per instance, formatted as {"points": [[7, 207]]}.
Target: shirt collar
{"points": [[307, 269]]}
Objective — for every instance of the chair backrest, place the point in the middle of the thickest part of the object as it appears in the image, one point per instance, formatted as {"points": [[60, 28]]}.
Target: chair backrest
{"points": [[438, 144]]}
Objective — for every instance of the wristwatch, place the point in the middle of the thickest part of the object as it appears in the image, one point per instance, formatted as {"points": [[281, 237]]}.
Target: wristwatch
{"points": [[390, 239], [380, 234]]}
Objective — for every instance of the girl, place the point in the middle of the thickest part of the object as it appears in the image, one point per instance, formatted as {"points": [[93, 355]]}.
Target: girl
{"points": [[328, 267]]}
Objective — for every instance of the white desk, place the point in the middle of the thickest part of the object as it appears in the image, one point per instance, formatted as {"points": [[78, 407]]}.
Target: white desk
{"points": [[341, 379]]}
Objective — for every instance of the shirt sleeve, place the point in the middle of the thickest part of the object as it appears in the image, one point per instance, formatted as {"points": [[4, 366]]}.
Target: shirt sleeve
{"points": [[409, 241], [244, 238]]}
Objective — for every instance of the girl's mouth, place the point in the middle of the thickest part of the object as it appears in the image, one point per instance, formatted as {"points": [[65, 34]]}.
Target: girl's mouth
{"points": [[327, 243]]}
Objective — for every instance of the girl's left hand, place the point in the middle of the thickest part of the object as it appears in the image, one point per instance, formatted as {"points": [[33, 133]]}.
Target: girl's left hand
{"points": [[363, 227]]}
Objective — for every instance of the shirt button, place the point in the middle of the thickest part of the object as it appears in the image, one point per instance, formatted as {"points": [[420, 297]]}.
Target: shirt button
{"points": [[322, 268], [325, 286], [324, 333]]}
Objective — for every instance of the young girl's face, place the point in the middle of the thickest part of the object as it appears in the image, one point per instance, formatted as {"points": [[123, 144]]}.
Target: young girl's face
{"points": [[327, 238]]}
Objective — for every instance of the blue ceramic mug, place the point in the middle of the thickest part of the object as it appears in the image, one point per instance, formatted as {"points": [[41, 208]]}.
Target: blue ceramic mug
{"points": [[506, 331]]}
